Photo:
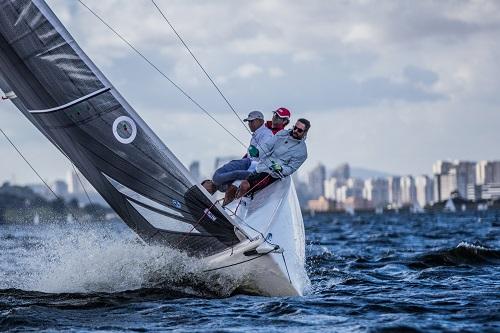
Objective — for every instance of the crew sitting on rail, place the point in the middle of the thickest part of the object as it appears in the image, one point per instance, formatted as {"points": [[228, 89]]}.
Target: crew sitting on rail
{"points": [[280, 156], [242, 168], [286, 152]]}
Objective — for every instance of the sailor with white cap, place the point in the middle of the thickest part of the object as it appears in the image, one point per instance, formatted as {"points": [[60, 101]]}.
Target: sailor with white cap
{"points": [[260, 133]]}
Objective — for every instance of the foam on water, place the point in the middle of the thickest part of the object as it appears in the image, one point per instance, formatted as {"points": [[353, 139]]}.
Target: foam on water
{"points": [[472, 246], [84, 260]]}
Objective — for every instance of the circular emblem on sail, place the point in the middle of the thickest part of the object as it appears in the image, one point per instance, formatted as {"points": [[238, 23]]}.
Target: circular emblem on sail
{"points": [[124, 129]]}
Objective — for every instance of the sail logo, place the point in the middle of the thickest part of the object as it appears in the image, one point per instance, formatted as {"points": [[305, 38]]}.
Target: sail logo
{"points": [[176, 204], [209, 214], [124, 129]]}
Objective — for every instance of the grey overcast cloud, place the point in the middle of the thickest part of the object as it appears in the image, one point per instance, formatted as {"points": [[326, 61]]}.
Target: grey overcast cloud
{"points": [[387, 85]]}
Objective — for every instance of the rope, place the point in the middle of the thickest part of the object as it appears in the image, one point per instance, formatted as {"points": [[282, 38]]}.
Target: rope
{"points": [[172, 82], [207, 210], [81, 182], [200, 65], [36, 172], [31, 166], [286, 266], [161, 72], [206, 73], [253, 187]]}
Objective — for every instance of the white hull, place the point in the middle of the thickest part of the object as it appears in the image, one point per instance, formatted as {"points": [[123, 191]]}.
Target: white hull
{"points": [[274, 220]]}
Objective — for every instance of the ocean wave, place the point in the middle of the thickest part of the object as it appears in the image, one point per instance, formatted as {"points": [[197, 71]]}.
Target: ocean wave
{"points": [[463, 254]]}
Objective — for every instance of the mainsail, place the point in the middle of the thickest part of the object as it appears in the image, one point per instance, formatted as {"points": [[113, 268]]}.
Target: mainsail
{"points": [[69, 100]]}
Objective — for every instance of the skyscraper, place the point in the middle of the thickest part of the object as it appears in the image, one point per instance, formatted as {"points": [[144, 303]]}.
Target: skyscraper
{"points": [[487, 172], [466, 175], [342, 172], [394, 188], [408, 190], [316, 179], [425, 190], [60, 188], [448, 184], [450, 177], [441, 167], [330, 188], [377, 191], [74, 185]]}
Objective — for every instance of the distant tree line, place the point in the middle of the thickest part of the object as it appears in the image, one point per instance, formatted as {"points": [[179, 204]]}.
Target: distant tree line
{"points": [[20, 204]]}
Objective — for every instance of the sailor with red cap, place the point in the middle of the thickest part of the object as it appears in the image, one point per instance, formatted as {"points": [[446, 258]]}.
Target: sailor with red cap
{"points": [[281, 118]]}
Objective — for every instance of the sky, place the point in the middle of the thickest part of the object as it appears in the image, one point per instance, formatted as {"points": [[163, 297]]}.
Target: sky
{"points": [[387, 85]]}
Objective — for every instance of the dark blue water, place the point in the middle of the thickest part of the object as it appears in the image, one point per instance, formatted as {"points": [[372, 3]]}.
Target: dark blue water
{"points": [[373, 273]]}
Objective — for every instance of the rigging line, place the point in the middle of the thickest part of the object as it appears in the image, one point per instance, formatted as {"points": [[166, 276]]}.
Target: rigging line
{"points": [[200, 65], [161, 72], [206, 73], [36, 172], [81, 183], [29, 164], [197, 223], [286, 266]]}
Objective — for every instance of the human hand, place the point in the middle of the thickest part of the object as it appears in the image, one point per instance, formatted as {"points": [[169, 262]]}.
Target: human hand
{"points": [[276, 167]]}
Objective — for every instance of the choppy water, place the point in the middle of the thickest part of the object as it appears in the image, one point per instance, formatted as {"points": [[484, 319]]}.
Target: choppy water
{"points": [[374, 273]]}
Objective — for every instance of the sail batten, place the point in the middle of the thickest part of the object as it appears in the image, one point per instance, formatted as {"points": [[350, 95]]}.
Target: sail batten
{"points": [[70, 101], [74, 102]]}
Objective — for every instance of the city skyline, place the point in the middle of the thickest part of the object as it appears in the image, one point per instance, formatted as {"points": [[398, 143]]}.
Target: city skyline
{"points": [[345, 190], [361, 172], [467, 182], [470, 180], [392, 99]]}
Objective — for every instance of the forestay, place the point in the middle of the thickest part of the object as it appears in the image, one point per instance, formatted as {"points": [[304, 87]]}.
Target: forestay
{"points": [[69, 100]]}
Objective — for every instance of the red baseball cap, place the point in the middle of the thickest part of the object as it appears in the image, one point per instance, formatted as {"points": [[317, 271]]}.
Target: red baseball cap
{"points": [[283, 113]]}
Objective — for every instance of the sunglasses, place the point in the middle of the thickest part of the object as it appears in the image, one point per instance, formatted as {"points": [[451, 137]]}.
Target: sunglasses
{"points": [[300, 130]]}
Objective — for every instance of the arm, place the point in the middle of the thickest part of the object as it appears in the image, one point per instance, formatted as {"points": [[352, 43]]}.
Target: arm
{"points": [[294, 163], [266, 147]]}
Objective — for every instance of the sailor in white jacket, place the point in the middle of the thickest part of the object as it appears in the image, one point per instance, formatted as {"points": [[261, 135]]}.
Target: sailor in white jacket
{"points": [[280, 156]]}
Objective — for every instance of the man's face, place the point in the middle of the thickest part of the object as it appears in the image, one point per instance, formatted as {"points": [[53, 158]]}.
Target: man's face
{"points": [[299, 130], [277, 121], [255, 124]]}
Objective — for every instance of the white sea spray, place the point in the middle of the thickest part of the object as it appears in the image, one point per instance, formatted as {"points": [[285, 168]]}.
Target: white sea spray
{"points": [[91, 259]]}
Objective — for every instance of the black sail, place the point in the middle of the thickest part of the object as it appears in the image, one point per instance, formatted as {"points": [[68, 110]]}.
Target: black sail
{"points": [[68, 99]]}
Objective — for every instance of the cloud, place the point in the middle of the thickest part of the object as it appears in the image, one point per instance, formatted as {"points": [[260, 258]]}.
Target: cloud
{"points": [[247, 70], [276, 72], [420, 75], [359, 33], [397, 79]]}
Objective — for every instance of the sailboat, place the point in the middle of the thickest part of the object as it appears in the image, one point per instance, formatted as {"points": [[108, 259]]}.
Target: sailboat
{"points": [[58, 88]]}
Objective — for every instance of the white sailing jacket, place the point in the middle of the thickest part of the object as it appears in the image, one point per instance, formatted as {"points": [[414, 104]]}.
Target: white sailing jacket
{"points": [[284, 150], [259, 137]]}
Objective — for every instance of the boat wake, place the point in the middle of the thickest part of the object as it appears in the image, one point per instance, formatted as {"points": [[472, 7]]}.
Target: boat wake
{"points": [[84, 260]]}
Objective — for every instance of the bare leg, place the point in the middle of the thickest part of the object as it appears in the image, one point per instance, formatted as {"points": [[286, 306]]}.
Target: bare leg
{"points": [[244, 187], [230, 195]]}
